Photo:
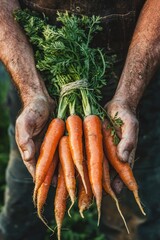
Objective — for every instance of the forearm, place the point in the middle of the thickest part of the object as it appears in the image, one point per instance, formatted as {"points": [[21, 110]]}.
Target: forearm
{"points": [[143, 56], [16, 53]]}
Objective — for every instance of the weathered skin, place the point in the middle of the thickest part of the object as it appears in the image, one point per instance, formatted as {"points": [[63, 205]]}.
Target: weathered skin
{"points": [[142, 60], [17, 55]]}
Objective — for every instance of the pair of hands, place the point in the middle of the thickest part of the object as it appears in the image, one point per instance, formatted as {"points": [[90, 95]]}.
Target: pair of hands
{"points": [[32, 124]]}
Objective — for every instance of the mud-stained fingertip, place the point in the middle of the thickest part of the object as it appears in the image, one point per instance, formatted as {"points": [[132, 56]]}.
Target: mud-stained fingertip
{"points": [[124, 156]]}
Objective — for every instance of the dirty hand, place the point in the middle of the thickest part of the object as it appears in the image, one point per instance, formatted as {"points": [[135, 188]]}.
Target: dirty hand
{"points": [[30, 127], [128, 134]]}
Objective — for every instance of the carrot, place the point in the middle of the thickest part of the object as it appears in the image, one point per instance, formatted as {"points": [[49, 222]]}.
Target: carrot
{"points": [[84, 198], [74, 128], [108, 189], [54, 133], [123, 169], [60, 201], [94, 152], [68, 168], [44, 188]]}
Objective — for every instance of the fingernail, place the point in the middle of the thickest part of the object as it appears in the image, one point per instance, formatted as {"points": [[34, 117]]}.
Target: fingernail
{"points": [[26, 155], [125, 156]]}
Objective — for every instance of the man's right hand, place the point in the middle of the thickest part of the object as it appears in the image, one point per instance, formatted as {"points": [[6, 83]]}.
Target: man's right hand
{"points": [[17, 55], [30, 127]]}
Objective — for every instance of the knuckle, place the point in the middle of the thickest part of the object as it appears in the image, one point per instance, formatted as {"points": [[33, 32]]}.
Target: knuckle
{"points": [[20, 121], [22, 142], [127, 144], [130, 144], [135, 123]]}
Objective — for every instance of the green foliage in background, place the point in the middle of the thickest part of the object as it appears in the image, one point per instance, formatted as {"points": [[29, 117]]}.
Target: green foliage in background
{"points": [[76, 228], [82, 229]]}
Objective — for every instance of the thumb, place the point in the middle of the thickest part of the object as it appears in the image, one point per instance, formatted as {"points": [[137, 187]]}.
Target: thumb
{"points": [[127, 144], [123, 150], [27, 149]]}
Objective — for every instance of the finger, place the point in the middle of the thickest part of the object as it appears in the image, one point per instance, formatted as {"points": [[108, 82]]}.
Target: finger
{"points": [[131, 159], [31, 166], [24, 140], [117, 185], [128, 141]]}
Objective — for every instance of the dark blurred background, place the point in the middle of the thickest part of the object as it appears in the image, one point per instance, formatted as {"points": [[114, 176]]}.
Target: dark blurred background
{"points": [[4, 121]]}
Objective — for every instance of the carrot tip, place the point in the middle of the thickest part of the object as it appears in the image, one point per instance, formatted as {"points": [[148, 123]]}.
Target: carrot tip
{"points": [[43, 220], [138, 201], [81, 173], [59, 232], [85, 186], [99, 216], [120, 212], [81, 213], [113, 196], [35, 196], [70, 209]]}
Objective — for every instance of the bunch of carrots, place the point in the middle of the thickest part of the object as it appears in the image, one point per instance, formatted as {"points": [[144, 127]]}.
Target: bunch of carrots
{"points": [[91, 171], [79, 139]]}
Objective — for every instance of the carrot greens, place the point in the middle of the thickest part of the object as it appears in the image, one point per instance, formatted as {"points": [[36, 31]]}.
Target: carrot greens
{"points": [[74, 71]]}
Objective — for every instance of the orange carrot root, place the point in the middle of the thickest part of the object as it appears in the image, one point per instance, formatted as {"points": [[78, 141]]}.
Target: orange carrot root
{"points": [[74, 128], [84, 198], [108, 189], [44, 188], [60, 201], [123, 169], [94, 152], [54, 133], [68, 169]]}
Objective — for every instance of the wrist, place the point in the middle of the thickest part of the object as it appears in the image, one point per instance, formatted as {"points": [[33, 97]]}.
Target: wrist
{"points": [[34, 90], [29, 95], [124, 100]]}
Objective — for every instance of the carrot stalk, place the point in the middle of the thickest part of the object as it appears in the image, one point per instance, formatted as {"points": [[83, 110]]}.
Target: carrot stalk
{"points": [[108, 189], [60, 201], [44, 188], [84, 198], [54, 133], [94, 152], [68, 168], [74, 128], [123, 169]]}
